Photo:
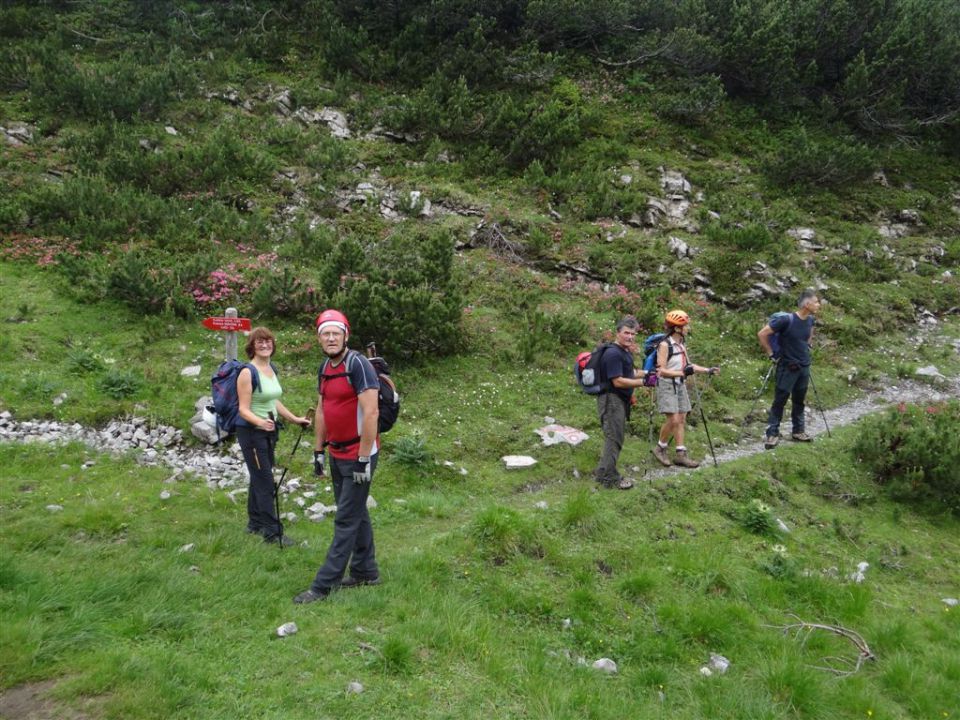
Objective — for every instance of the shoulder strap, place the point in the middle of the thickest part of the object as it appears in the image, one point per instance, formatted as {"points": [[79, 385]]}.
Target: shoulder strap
{"points": [[254, 376]]}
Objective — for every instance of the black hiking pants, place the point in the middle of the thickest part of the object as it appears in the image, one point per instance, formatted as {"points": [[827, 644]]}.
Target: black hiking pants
{"points": [[792, 383], [352, 542], [258, 453]]}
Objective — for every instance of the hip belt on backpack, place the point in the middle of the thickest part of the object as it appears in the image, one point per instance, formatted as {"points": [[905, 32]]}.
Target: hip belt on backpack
{"points": [[341, 445]]}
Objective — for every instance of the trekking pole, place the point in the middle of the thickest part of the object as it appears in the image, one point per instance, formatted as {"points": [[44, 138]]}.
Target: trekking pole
{"points": [[763, 386], [703, 417], [279, 483], [822, 413]]}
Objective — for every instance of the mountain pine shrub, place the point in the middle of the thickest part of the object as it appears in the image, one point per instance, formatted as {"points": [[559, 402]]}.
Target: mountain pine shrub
{"points": [[912, 451]]}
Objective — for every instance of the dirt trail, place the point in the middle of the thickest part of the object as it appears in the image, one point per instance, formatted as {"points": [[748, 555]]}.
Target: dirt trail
{"points": [[908, 391]]}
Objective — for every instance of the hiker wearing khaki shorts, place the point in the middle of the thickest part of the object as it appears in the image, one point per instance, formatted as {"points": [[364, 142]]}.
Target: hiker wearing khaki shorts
{"points": [[673, 369]]}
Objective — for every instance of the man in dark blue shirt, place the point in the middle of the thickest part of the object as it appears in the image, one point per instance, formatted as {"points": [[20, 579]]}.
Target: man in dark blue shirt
{"points": [[613, 405], [794, 331]]}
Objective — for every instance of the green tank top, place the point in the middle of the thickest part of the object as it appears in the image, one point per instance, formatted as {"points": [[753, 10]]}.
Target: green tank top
{"points": [[264, 399]]}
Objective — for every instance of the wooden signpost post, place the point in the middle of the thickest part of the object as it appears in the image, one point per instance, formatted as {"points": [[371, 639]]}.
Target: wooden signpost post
{"points": [[230, 324]]}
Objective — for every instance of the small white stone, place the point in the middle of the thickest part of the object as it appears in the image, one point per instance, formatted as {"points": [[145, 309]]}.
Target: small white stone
{"points": [[951, 602], [606, 665], [287, 629], [541, 505], [705, 671], [191, 371], [566, 623], [514, 462], [371, 503], [354, 688], [55, 508], [170, 130], [165, 495], [186, 548], [719, 663]]}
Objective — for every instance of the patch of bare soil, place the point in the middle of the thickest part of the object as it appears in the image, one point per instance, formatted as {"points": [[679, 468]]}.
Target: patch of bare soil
{"points": [[34, 701]]}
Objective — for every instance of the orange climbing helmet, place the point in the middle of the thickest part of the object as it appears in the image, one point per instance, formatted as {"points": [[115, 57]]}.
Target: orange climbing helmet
{"points": [[678, 318]]}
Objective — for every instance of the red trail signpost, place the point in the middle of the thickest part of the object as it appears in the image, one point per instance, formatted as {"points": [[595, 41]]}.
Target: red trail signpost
{"points": [[230, 324]]}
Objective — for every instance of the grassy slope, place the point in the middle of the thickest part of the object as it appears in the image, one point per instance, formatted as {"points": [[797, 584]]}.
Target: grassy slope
{"points": [[479, 582], [469, 622]]}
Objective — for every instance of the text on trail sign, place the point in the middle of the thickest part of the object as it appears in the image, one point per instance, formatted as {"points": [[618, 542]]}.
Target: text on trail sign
{"points": [[231, 324]]}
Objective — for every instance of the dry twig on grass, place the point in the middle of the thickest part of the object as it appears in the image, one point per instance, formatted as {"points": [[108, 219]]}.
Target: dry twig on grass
{"points": [[806, 629]]}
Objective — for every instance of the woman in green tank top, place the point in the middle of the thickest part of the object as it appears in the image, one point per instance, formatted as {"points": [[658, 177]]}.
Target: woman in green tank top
{"points": [[258, 392]]}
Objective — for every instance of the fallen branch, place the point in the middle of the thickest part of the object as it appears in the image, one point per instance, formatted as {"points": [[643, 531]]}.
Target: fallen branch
{"points": [[864, 652]]}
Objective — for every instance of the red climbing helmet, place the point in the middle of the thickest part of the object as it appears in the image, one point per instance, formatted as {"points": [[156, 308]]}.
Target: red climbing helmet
{"points": [[334, 318]]}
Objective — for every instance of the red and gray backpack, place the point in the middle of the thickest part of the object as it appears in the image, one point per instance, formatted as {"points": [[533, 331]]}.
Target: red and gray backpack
{"points": [[388, 399]]}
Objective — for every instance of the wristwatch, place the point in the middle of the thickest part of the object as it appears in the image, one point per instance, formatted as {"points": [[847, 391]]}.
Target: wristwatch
{"points": [[363, 458]]}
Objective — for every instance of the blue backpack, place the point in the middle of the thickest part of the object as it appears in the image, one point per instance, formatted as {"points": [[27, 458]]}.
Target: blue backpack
{"points": [[775, 338], [650, 346], [223, 388]]}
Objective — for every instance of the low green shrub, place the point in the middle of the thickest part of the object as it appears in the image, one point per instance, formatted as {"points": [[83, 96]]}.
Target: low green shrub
{"points": [[757, 517], [913, 452], [828, 160], [401, 292], [411, 451], [502, 532], [120, 384]]}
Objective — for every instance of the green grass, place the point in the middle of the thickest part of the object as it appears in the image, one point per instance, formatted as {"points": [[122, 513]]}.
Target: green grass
{"points": [[479, 586], [489, 601]]}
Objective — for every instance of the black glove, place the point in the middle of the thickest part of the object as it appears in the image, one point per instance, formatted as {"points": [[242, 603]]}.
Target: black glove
{"points": [[361, 470], [318, 460], [688, 370], [713, 371]]}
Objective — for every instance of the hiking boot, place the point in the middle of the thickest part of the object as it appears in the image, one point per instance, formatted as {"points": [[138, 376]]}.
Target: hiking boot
{"points": [[801, 437], [660, 453], [770, 442], [684, 460], [352, 581], [310, 595], [282, 540]]}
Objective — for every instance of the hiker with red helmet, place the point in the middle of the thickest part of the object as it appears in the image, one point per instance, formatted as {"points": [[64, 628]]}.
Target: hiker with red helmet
{"points": [[346, 423], [673, 369]]}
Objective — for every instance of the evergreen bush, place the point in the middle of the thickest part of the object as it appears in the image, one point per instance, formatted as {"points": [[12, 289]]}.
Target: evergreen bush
{"points": [[913, 452], [801, 158], [400, 292]]}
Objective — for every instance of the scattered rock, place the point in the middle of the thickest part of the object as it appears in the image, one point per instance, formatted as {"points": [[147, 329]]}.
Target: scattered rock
{"points": [[679, 248], [170, 130], [861, 574], [186, 548], [354, 688], [18, 134], [287, 629], [930, 371], [191, 371], [951, 602], [541, 505], [55, 508], [514, 462], [605, 665], [555, 434]]}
